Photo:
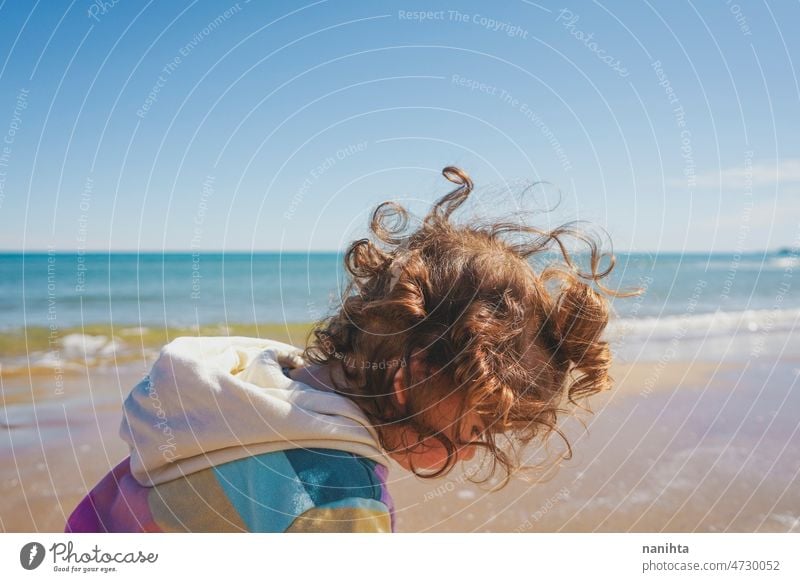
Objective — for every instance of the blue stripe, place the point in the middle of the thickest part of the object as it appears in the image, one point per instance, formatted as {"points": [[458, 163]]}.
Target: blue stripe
{"points": [[265, 490], [330, 475]]}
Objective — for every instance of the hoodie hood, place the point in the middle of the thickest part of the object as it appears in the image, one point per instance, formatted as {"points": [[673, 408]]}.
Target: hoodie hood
{"points": [[212, 400]]}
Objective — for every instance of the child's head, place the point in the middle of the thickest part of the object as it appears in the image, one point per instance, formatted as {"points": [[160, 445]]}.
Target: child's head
{"points": [[451, 343]]}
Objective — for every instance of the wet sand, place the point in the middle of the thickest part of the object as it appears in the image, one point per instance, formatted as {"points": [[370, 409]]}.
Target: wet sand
{"points": [[673, 448]]}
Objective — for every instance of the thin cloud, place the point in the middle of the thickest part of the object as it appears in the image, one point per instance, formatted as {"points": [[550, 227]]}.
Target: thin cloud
{"points": [[759, 174]]}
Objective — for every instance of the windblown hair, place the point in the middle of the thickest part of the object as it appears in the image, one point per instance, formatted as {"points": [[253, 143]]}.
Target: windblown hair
{"points": [[515, 344]]}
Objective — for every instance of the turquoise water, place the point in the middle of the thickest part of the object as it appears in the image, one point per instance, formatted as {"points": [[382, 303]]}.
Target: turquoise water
{"points": [[182, 289], [163, 289], [692, 295]]}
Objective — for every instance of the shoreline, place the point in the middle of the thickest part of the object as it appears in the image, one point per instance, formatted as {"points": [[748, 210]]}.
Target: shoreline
{"points": [[72, 351]]}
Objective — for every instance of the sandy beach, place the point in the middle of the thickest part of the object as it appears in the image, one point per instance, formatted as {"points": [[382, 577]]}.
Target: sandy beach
{"points": [[675, 447]]}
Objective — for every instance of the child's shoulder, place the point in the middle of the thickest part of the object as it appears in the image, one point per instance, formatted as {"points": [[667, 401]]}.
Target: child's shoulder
{"points": [[313, 489], [326, 475]]}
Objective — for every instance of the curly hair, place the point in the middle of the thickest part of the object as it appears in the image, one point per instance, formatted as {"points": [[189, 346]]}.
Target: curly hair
{"points": [[512, 342]]}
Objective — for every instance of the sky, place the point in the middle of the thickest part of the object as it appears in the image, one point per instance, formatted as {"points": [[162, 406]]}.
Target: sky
{"points": [[279, 126]]}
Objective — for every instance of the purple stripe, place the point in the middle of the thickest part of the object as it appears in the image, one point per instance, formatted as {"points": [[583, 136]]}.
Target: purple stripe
{"points": [[117, 504]]}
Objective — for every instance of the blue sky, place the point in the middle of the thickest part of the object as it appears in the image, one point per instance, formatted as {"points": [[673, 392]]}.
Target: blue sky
{"points": [[280, 125]]}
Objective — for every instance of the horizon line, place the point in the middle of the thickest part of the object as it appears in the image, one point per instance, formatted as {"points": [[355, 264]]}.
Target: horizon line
{"points": [[334, 251]]}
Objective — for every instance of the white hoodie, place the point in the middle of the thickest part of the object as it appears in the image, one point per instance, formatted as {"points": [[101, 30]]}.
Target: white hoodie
{"points": [[211, 400]]}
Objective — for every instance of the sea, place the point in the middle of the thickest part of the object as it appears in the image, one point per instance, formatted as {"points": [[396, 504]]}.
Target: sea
{"points": [[692, 305]]}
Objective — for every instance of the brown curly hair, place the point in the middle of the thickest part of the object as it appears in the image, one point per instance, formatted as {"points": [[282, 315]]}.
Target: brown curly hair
{"points": [[512, 342]]}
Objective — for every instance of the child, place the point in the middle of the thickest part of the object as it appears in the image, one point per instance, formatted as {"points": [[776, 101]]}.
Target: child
{"points": [[446, 341]]}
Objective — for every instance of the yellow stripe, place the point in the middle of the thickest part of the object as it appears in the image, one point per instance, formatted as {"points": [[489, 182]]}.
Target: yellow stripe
{"points": [[195, 503], [341, 519]]}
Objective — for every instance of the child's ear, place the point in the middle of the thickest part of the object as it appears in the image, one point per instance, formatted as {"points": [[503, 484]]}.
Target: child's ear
{"points": [[399, 386], [416, 368]]}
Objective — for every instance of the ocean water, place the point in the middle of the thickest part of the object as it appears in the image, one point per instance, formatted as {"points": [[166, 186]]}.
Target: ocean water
{"points": [[707, 305]]}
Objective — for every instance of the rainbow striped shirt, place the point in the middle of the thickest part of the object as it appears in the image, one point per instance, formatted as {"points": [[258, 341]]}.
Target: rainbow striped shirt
{"points": [[296, 490]]}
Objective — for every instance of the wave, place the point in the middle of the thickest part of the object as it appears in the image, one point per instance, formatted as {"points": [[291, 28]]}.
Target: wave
{"points": [[699, 325], [718, 336], [707, 335], [75, 349]]}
